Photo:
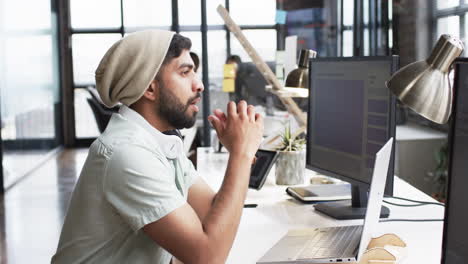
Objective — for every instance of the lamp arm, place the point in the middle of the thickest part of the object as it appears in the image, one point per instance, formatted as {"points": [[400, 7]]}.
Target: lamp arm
{"points": [[270, 77]]}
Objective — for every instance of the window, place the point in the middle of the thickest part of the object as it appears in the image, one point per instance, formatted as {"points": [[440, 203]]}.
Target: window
{"points": [[95, 29], [450, 18], [448, 25], [217, 55], [190, 13], [213, 18], [147, 13], [347, 43], [443, 4], [263, 40], [29, 87], [88, 49], [95, 14], [465, 29], [248, 12], [348, 21]]}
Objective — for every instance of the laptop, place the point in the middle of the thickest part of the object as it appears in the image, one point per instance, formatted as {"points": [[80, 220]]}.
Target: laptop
{"points": [[335, 244]]}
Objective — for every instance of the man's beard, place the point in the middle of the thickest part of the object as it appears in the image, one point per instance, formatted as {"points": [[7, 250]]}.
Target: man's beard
{"points": [[173, 110]]}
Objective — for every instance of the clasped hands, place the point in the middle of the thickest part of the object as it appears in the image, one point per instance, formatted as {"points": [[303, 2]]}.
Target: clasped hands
{"points": [[240, 129]]}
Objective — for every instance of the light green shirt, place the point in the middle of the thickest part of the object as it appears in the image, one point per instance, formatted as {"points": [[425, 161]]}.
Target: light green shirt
{"points": [[133, 176]]}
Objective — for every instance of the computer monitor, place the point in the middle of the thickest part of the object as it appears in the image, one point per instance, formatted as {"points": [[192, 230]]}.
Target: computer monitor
{"points": [[455, 239], [351, 116]]}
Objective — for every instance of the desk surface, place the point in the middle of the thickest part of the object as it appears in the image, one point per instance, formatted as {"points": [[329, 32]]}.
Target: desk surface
{"points": [[262, 227]]}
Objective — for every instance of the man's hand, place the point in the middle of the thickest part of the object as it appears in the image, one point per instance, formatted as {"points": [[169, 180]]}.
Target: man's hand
{"points": [[241, 130]]}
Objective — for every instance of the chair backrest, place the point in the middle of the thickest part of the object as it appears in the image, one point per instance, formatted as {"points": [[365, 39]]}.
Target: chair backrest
{"points": [[188, 135], [101, 114], [95, 95]]}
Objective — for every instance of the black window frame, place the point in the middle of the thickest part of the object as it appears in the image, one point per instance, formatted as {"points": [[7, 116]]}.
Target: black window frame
{"points": [[175, 26]]}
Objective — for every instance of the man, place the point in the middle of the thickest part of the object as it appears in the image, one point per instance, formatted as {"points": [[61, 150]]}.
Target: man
{"points": [[138, 198]]}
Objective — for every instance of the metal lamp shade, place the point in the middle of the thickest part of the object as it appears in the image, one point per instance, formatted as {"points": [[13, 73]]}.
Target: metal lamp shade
{"points": [[299, 78], [424, 85]]}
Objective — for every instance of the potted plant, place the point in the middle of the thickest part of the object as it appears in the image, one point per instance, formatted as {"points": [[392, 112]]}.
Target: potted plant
{"points": [[290, 166], [439, 175]]}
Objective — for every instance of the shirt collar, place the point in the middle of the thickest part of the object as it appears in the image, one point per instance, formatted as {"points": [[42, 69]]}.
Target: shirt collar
{"points": [[171, 145]]}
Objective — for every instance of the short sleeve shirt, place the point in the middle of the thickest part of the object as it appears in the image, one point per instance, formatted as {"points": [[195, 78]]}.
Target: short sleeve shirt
{"points": [[134, 175]]}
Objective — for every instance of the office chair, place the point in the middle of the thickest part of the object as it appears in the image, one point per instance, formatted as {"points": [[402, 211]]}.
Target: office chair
{"points": [[102, 114]]}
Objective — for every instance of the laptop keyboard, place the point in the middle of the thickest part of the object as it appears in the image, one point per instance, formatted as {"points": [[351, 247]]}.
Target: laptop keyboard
{"points": [[332, 242]]}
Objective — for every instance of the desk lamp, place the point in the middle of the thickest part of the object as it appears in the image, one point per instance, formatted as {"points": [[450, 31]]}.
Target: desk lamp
{"points": [[297, 81], [299, 78], [424, 85]]}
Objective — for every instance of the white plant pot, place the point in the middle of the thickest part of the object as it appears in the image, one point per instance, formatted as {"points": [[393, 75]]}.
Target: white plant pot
{"points": [[290, 167]]}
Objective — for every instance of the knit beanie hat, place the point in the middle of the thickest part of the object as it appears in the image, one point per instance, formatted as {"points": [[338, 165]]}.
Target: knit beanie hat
{"points": [[129, 66]]}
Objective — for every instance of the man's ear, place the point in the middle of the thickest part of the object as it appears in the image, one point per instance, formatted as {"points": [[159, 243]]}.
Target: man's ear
{"points": [[151, 92]]}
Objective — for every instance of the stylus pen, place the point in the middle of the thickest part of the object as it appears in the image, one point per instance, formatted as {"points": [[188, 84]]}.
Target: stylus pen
{"points": [[250, 205]]}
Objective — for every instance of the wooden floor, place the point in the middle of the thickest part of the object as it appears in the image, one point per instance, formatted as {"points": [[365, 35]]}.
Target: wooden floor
{"points": [[32, 211]]}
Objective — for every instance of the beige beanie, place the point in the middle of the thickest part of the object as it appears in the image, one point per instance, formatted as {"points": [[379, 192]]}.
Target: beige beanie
{"points": [[129, 66]]}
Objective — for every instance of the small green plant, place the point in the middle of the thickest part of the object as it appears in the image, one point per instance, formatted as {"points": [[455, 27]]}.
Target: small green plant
{"points": [[290, 141], [439, 174]]}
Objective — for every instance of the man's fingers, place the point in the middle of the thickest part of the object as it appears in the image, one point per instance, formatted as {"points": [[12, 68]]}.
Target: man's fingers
{"points": [[220, 114], [231, 109], [251, 112], [242, 108], [258, 117], [216, 123]]}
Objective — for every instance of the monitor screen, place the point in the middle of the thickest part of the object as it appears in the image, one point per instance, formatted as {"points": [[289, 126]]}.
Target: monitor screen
{"points": [[351, 116], [456, 215]]}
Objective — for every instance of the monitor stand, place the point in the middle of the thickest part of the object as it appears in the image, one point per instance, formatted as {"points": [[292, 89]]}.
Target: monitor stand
{"points": [[354, 209]]}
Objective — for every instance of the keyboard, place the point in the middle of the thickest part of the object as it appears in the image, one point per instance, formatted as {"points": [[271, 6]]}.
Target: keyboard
{"points": [[332, 242]]}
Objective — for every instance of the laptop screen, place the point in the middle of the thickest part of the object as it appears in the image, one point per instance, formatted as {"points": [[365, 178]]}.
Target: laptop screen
{"points": [[376, 193]]}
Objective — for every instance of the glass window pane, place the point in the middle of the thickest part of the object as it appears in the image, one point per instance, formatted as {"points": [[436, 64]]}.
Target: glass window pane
{"points": [[248, 12], [85, 122], [365, 12], [29, 86], [390, 38], [35, 16], [95, 14], [147, 13], [366, 42], [216, 56], [347, 43], [195, 37], [348, 13], [88, 50], [263, 40], [213, 18], [390, 11], [448, 25], [466, 32], [190, 12], [22, 117], [441, 4]]}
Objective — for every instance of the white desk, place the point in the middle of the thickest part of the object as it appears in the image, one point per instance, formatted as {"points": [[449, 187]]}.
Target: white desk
{"points": [[262, 227]]}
